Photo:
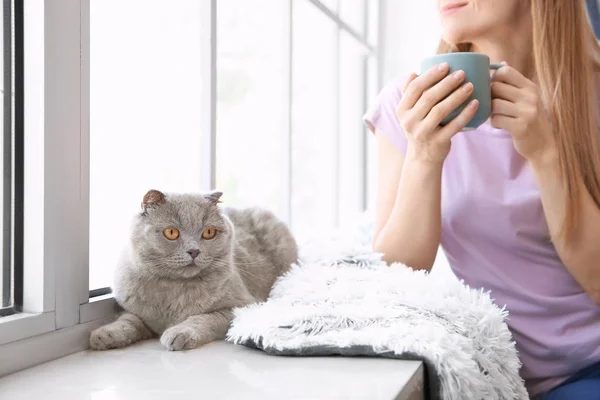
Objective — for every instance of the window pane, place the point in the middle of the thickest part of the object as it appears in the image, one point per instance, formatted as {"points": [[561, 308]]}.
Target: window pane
{"points": [[145, 114], [373, 22], [352, 104], [252, 101], [11, 148], [352, 12], [5, 268], [332, 4], [313, 119], [371, 163]]}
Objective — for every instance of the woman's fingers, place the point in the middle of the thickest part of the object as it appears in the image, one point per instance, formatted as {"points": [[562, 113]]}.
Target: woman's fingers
{"points": [[504, 122], [445, 107], [511, 76], [460, 121], [437, 93], [411, 78], [505, 91], [414, 90], [504, 107]]}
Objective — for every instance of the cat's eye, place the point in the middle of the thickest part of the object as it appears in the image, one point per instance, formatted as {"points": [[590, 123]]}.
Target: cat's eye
{"points": [[171, 233], [209, 233]]}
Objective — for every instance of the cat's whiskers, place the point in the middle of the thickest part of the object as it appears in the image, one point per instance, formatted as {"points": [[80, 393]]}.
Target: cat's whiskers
{"points": [[244, 272], [252, 275], [261, 260]]}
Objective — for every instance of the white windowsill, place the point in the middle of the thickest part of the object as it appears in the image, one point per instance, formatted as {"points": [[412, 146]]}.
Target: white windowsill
{"points": [[98, 307], [36, 350], [25, 325], [27, 340], [217, 370]]}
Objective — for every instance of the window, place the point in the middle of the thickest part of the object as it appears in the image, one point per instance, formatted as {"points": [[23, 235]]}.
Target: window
{"points": [[252, 102], [354, 14], [291, 82], [11, 158], [106, 99], [314, 123], [45, 191], [293, 77], [6, 275], [145, 127]]}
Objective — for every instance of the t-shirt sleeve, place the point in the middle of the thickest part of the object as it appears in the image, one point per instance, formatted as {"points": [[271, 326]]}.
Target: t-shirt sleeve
{"points": [[381, 115]]}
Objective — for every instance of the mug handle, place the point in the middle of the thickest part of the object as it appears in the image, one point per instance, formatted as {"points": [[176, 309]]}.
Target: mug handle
{"points": [[496, 66]]}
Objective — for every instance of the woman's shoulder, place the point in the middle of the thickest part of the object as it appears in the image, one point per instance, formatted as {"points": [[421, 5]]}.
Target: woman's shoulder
{"points": [[381, 115]]}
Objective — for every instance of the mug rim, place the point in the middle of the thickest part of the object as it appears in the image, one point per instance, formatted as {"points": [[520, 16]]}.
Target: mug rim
{"points": [[459, 54]]}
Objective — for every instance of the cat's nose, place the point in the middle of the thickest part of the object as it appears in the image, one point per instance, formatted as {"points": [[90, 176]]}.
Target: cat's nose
{"points": [[193, 252]]}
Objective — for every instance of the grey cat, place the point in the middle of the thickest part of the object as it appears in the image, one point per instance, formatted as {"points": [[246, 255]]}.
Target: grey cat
{"points": [[188, 263]]}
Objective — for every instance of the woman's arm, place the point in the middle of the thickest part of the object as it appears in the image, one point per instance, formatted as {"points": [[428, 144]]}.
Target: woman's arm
{"points": [[408, 219], [517, 108], [581, 255], [408, 213]]}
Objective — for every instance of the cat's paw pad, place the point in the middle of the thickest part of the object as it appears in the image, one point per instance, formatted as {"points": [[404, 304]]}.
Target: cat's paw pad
{"points": [[112, 336], [180, 338]]}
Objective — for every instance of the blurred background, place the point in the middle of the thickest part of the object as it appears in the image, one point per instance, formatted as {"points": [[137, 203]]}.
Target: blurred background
{"points": [[262, 99]]}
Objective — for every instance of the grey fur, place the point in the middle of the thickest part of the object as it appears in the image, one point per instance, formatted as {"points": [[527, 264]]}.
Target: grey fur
{"points": [[187, 301]]}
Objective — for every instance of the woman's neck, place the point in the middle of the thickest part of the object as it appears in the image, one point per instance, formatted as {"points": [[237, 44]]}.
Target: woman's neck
{"points": [[512, 44], [518, 55]]}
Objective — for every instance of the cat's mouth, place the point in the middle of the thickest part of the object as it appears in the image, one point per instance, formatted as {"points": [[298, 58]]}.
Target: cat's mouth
{"points": [[192, 267], [192, 264], [189, 271]]}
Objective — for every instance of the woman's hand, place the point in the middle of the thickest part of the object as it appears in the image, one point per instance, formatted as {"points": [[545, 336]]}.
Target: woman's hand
{"points": [[518, 109], [428, 99]]}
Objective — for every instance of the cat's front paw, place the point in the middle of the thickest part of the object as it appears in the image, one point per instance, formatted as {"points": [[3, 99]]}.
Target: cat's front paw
{"points": [[111, 336], [180, 337]]}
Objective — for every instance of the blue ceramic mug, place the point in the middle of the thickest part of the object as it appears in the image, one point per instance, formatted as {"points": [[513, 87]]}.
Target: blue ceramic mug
{"points": [[477, 70]]}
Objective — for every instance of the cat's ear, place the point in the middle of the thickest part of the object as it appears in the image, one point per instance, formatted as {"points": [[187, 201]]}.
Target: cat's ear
{"points": [[152, 198], [213, 197]]}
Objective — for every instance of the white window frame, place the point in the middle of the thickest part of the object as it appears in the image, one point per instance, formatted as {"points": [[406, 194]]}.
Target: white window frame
{"points": [[57, 313]]}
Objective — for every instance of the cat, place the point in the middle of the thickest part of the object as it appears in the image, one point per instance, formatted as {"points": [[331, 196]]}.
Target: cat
{"points": [[189, 262]]}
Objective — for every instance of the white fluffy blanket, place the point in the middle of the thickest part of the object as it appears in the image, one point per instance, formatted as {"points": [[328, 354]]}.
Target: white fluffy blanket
{"points": [[342, 299]]}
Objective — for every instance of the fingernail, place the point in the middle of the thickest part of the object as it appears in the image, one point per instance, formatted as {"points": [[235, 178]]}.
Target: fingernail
{"points": [[467, 87], [474, 103], [458, 74], [442, 66]]}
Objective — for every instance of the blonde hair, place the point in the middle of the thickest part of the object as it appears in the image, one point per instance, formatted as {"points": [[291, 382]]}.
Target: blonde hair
{"points": [[567, 62]]}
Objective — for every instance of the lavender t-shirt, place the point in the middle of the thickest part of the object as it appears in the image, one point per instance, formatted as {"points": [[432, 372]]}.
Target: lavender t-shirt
{"points": [[495, 236]]}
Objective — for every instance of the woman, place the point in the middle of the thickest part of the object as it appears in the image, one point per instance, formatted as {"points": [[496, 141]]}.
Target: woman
{"points": [[515, 203]]}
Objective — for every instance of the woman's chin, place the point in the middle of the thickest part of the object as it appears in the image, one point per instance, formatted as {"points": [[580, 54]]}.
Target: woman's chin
{"points": [[456, 34]]}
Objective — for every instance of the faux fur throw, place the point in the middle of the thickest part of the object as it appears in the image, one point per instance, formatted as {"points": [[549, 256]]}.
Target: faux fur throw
{"points": [[344, 300]]}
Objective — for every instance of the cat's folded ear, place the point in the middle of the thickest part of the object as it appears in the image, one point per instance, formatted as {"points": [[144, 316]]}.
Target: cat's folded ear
{"points": [[152, 198], [213, 197]]}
